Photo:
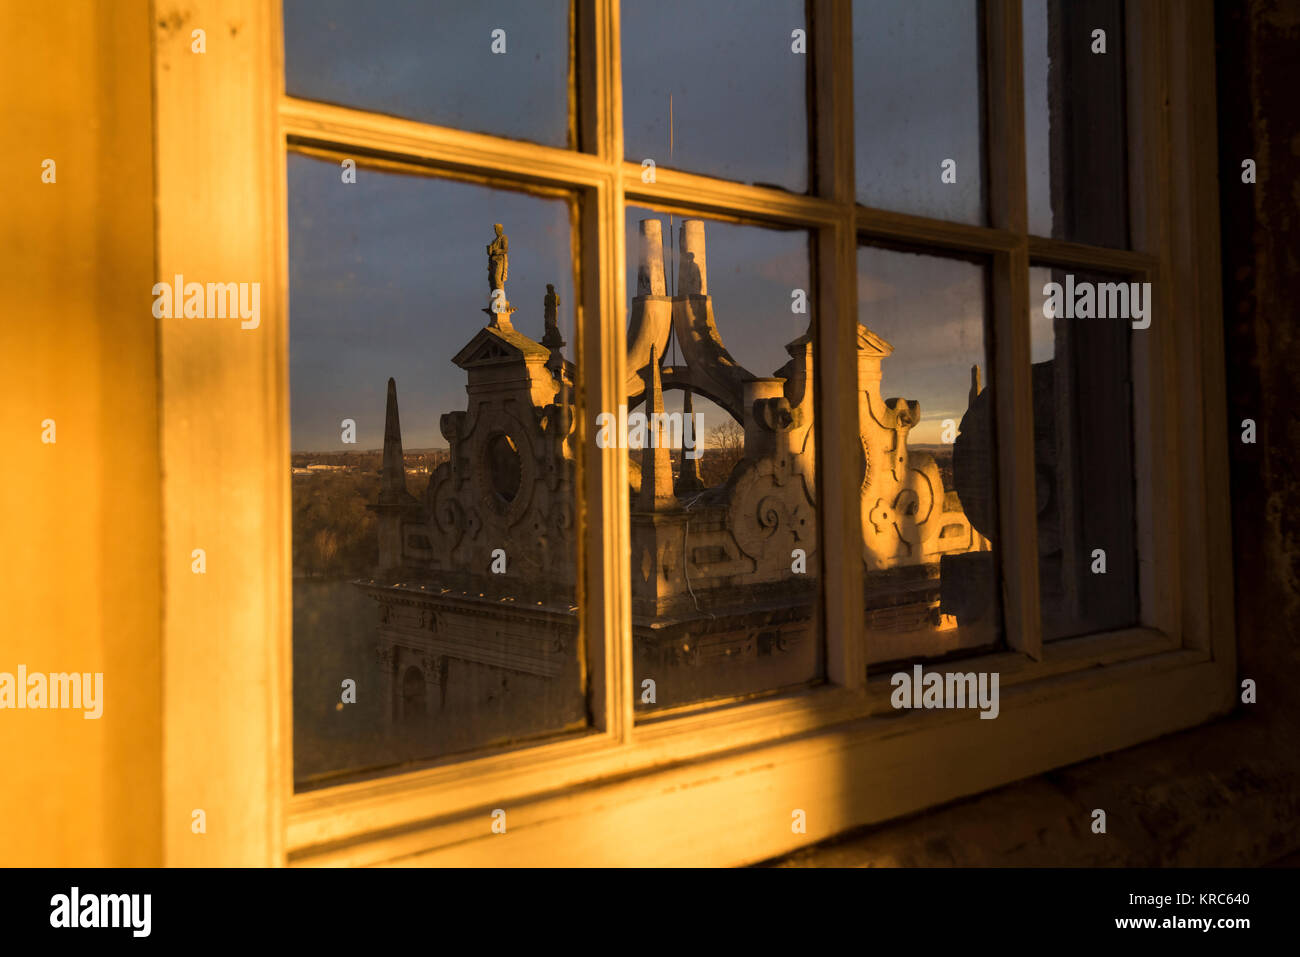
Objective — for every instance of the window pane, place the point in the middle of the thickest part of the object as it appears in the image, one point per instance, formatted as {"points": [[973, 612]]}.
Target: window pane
{"points": [[1083, 449], [433, 552], [917, 96], [929, 488], [738, 89], [434, 61], [724, 530], [1075, 120]]}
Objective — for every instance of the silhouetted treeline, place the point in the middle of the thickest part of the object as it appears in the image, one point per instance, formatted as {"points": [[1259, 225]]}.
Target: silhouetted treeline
{"points": [[334, 534]]}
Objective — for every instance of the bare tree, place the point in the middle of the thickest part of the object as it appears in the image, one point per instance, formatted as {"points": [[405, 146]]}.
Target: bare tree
{"points": [[726, 447]]}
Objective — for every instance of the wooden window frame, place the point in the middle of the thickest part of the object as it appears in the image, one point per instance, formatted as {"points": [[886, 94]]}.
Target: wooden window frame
{"points": [[715, 784]]}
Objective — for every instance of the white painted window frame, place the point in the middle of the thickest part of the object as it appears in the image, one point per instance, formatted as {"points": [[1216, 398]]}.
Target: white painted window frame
{"points": [[717, 784]]}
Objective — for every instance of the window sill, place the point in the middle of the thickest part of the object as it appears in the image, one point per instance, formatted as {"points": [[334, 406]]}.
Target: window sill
{"points": [[664, 797]]}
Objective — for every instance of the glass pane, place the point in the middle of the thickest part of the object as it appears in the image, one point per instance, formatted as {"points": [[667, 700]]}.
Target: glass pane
{"points": [[1075, 141], [929, 487], [433, 551], [737, 86], [723, 494], [918, 100], [1083, 448], [437, 61]]}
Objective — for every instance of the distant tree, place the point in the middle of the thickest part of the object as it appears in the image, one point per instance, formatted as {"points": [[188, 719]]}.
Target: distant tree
{"points": [[726, 447], [728, 436]]}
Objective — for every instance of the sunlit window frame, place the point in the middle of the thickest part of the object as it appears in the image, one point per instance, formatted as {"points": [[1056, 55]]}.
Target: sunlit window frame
{"points": [[715, 784]]}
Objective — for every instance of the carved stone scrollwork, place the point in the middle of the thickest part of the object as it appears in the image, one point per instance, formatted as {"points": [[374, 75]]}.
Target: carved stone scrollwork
{"points": [[770, 513], [386, 654], [880, 516], [473, 523], [803, 523], [902, 415], [448, 515]]}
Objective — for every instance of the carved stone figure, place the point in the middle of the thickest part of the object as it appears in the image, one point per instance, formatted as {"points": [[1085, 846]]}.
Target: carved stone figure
{"points": [[550, 311], [498, 253]]}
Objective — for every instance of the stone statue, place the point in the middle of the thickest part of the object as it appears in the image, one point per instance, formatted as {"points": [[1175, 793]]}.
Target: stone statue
{"points": [[550, 307], [498, 259]]}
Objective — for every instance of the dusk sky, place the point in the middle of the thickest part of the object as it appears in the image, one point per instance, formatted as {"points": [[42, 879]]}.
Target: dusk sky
{"points": [[388, 276], [917, 80], [431, 60], [931, 310], [739, 92]]}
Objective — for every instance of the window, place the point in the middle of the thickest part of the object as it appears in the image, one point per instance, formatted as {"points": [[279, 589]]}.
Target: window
{"points": [[929, 492], [918, 135], [1083, 451], [1075, 114], [407, 58], [935, 285], [724, 527], [432, 528]]}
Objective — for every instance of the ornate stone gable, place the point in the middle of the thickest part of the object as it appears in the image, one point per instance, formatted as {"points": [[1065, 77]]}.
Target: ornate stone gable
{"points": [[479, 572]]}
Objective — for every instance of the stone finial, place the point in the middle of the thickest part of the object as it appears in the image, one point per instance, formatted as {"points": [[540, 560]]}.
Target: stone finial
{"points": [[650, 262], [392, 488], [688, 474], [974, 385], [693, 276]]}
